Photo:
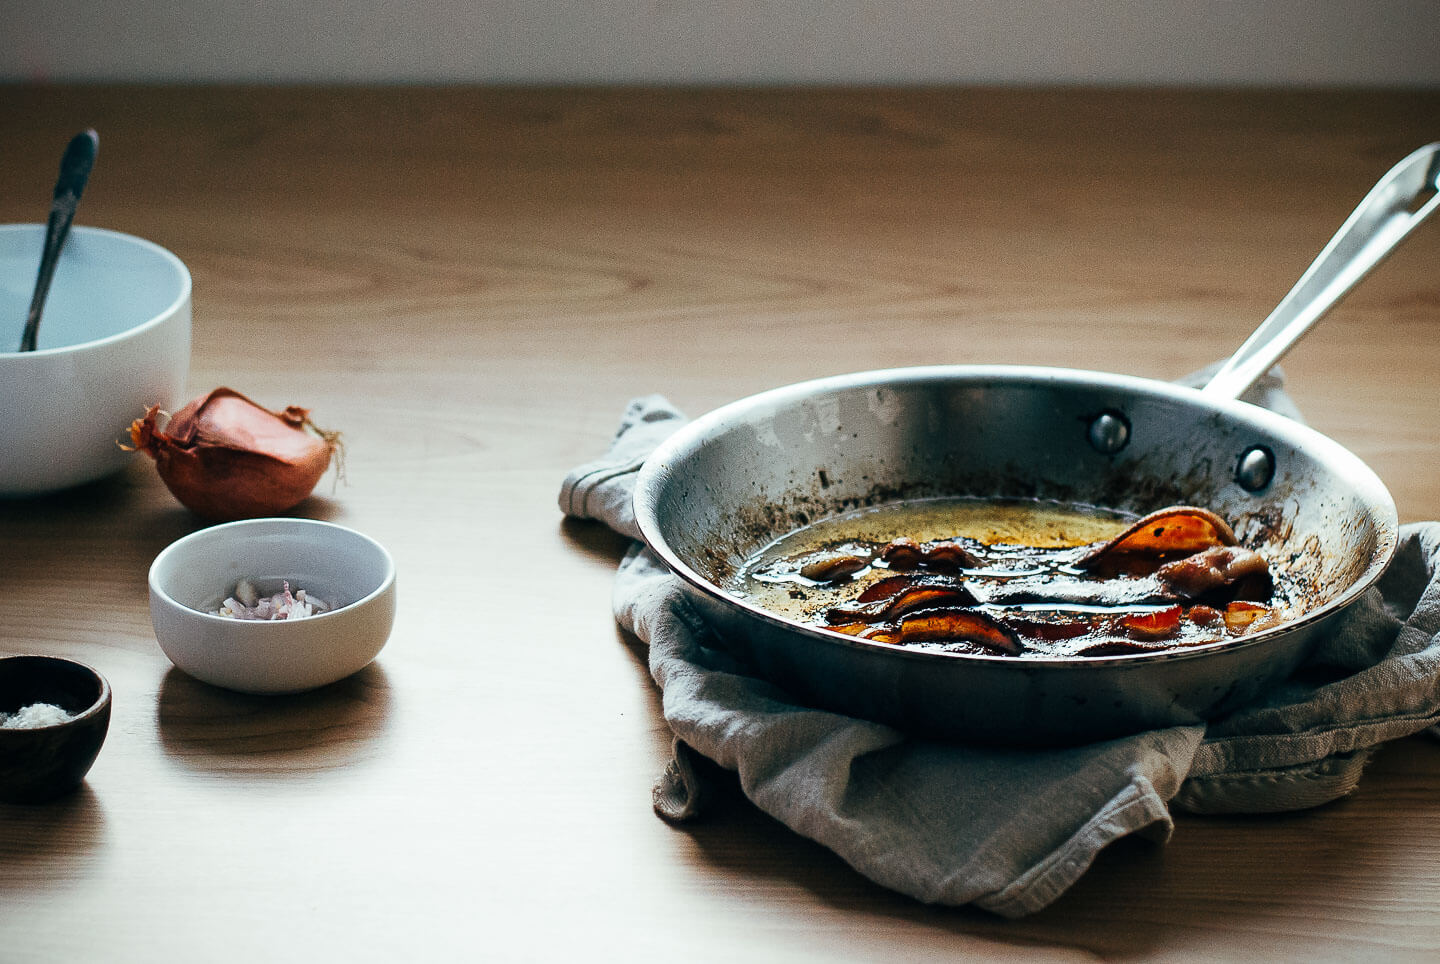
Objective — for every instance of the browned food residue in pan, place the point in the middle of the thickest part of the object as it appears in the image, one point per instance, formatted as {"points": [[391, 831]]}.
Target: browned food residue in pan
{"points": [[1018, 579]]}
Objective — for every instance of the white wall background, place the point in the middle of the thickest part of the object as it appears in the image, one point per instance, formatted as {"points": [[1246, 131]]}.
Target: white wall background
{"points": [[1185, 42]]}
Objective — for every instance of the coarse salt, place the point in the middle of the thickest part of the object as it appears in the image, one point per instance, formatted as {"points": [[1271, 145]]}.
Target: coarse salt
{"points": [[34, 715]]}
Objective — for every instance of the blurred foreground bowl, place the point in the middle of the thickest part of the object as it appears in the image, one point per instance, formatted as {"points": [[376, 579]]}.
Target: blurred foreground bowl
{"points": [[114, 339]]}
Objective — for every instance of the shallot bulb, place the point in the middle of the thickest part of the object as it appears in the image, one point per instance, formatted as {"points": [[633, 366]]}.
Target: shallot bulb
{"points": [[225, 457]]}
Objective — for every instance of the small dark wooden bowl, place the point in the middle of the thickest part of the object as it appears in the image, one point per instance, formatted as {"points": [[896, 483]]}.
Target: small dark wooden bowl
{"points": [[43, 762]]}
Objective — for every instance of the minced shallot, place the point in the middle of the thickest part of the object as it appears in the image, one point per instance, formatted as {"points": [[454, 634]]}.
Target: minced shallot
{"points": [[248, 603], [36, 714]]}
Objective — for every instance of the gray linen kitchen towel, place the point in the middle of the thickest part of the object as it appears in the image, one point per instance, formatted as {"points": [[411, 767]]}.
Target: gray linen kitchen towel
{"points": [[1009, 830]]}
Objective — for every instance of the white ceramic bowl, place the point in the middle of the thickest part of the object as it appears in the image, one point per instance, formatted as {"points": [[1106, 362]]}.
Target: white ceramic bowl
{"points": [[191, 578], [114, 339]]}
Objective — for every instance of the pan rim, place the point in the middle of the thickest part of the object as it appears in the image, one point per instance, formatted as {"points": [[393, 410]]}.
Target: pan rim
{"points": [[1362, 479]]}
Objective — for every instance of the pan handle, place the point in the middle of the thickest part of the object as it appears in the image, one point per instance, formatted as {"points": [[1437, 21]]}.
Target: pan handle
{"points": [[1394, 207]]}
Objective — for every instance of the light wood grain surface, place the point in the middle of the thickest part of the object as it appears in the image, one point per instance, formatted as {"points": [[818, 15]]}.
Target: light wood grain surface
{"points": [[471, 284]]}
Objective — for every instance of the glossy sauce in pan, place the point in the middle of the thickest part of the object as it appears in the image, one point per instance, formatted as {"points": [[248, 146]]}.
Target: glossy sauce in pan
{"points": [[1020, 570]]}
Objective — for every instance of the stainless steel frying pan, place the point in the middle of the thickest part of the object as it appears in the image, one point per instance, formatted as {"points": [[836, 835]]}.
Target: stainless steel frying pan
{"points": [[734, 480]]}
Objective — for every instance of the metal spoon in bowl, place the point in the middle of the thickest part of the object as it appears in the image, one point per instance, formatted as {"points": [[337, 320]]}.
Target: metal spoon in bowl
{"points": [[74, 172]]}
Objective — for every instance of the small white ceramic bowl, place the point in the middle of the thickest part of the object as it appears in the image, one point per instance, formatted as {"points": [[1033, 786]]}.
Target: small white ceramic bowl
{"points": [[191, 578], [114, 339]]}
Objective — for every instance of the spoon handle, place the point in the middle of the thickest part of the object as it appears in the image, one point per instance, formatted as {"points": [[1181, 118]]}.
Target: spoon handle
{"points": [[1395, 206], [74, 172]]}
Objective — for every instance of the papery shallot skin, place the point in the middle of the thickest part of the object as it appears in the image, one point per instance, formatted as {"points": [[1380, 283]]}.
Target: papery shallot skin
{"points": [[226, 457]]}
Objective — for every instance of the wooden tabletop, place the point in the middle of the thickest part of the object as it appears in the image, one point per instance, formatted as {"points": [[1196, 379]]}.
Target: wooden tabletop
{"points": [[470, 284]]}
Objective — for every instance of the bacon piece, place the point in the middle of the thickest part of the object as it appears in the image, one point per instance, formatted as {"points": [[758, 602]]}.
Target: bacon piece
{"points": [[949, 555], [905, 554], [885, 588], [1215, 567], [1160, 624], [928, 596], [834, 567], [902, 554], [959, 625], [908, 599], [1202, 615], [1249, 617], [1181, 529]]}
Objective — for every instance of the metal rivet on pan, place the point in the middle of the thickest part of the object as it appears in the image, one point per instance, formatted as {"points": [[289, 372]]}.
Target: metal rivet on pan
{"points": [[1255, 469], [1109, 432]]}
